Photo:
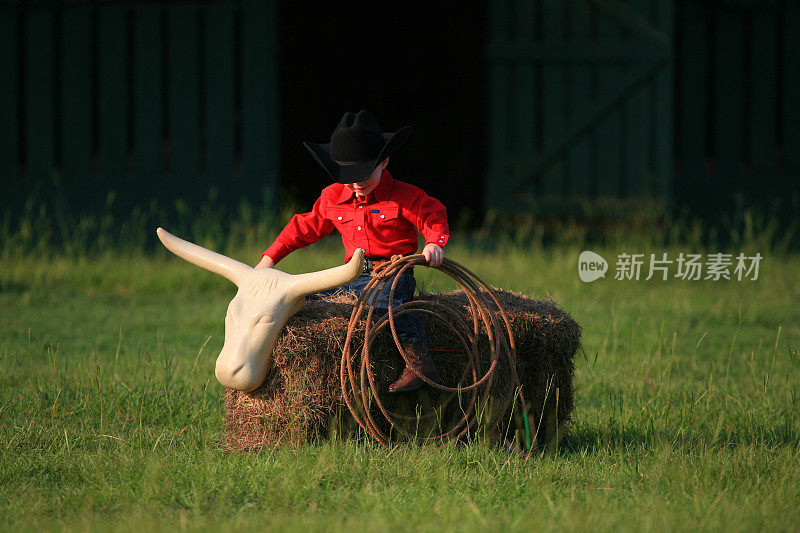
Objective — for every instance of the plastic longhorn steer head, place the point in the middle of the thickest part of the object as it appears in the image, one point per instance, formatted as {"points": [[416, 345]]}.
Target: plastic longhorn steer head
{"points": [[264, 302]]}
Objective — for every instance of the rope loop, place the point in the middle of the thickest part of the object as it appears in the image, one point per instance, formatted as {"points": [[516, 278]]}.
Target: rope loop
{"points": [[478, 384]]}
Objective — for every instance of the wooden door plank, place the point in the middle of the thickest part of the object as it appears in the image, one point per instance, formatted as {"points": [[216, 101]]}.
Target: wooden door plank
{"points": [[39, 82], [664, 108], [637, 126], [763, 91], [184, 103], [524, 96], [692, 124], [219, 80], [113, 90], [499, 112], [728, 98], [76, 92], [9, 95], [553, 178], [609, 138], [791, 90], [580, 97], [148, 119], [260, 142]]}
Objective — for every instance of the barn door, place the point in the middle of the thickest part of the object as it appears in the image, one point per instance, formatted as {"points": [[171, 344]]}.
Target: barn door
{"points": [[580, 103], [130, 94]]}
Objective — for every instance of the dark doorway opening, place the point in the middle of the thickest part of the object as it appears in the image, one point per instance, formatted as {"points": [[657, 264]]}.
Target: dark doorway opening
{"points": [[411, 63]]}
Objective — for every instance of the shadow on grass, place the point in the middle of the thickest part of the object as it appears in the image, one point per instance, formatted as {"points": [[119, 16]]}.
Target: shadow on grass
{"points": [[13, 287]]}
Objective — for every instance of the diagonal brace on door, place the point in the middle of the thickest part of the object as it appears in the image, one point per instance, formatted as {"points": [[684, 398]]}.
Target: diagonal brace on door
{"points": [[533, 166], [632, 20]]}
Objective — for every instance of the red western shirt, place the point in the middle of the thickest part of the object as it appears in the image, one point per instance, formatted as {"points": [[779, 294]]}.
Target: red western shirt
{"points": [[384, 223]]}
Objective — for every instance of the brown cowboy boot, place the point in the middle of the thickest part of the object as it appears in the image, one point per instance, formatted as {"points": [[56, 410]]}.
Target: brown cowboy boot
{"points": [[419, 359]]}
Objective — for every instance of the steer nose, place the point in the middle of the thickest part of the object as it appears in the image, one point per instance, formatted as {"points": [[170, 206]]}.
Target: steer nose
{"points": [[236, 375]]}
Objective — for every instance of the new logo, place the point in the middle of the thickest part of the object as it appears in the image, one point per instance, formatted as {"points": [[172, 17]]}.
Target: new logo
{"points": [[591, 266]]}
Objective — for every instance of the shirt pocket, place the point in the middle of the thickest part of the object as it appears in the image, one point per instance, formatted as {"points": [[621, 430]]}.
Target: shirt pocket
{"points": [[389, 223], [385, 217], [344, 221]]}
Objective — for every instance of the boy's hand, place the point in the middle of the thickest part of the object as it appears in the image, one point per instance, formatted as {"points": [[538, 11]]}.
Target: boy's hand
{"points": [[266, 262], [433, 254]]}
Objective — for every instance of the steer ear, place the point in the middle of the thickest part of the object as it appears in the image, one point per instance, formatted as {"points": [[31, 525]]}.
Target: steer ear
{"points": [[305, 284], [204, 258]]}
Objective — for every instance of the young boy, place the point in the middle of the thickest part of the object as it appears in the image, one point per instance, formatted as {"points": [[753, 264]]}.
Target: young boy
{"points": [[373, 211]]}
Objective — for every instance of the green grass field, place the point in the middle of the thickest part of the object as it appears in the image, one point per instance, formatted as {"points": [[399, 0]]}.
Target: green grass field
{"points": [[687, 412]]}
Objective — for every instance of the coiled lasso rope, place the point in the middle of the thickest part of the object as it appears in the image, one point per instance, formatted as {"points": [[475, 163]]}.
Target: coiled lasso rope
{"points": [[359, 386]]}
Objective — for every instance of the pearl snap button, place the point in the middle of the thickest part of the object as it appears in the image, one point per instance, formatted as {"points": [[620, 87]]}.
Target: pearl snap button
{"points": [[338, 218], [359, 228], [361, 207], [383, 216]]}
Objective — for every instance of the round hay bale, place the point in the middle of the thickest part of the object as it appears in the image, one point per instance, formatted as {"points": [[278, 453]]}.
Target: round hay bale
{"points": [[301, 398]]}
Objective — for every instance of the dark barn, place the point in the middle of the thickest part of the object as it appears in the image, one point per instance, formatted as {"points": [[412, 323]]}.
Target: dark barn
{"points": [[544, 106]]}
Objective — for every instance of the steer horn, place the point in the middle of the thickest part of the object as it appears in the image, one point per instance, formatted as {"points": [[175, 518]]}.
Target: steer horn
{"points": [[205, 258], [305, 284], [301, 284]]}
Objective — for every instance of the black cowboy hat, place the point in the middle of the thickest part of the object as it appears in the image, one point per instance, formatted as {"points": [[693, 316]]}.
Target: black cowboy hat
{"points": [[357, 146]]}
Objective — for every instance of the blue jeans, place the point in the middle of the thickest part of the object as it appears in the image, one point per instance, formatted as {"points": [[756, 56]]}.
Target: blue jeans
{"points": [[409, 327]]}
